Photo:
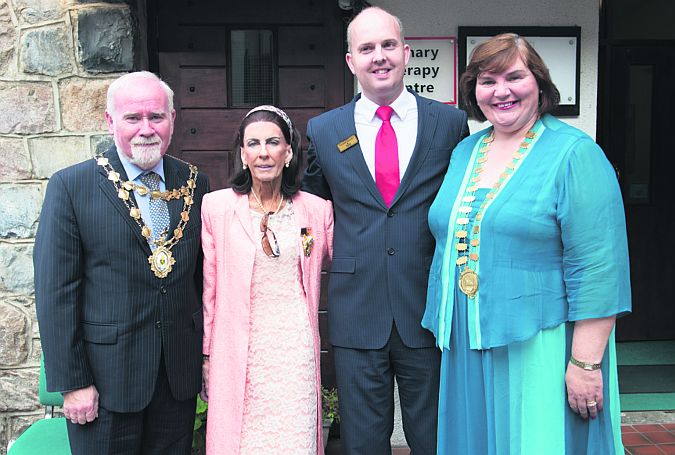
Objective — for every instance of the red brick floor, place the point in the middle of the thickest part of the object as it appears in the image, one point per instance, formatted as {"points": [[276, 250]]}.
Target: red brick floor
{"points": [[649, 439], [643, 439]]}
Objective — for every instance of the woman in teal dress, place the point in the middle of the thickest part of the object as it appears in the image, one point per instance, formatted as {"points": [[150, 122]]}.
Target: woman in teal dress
{"points": [[529, 274]]}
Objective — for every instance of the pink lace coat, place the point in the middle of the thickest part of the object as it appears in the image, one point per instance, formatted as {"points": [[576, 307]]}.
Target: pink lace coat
{"points": [[229, 245]]}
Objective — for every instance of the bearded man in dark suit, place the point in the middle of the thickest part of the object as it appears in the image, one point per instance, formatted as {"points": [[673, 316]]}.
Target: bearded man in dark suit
{"points": [[118, 283]]}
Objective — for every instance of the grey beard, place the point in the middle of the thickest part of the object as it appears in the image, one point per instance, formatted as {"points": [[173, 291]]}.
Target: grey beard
{"points": [[144, 157]]}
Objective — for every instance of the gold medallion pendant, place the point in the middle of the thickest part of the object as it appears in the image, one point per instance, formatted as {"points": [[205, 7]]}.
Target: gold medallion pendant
{"points": [[161, 261], [468, 282]]}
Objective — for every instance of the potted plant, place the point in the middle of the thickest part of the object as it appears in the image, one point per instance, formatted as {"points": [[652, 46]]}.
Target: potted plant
{"points": [[199, 434], [330, 409]]}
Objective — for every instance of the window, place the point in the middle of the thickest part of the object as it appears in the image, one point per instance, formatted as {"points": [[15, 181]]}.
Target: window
{"points": [[253, 69]]}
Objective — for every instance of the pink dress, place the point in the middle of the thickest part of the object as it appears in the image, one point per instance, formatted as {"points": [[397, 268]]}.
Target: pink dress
{"points": [[280, 402]]}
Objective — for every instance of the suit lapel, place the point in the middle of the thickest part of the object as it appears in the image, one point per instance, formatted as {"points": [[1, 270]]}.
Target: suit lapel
{"points": [[243, 214], [108, 188], [301, 220], [427, 120], [346, 127]]}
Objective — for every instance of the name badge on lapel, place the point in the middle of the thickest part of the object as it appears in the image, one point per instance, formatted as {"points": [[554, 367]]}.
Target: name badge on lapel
{"points": [[351, 141]]}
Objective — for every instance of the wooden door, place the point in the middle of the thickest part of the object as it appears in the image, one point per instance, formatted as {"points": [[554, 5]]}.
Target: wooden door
{"points": [[196, 46], [637, 133]]}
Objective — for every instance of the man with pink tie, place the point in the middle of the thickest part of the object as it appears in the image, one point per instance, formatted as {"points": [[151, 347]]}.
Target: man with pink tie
{"points": [[381, 159]]}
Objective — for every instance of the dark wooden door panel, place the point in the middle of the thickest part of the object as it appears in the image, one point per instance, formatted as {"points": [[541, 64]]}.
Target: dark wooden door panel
{"points": [[194, 38], [302, 87], [302, 46], [209, 129], [300, 117], [203, 87], [215, 165], [642, 116]]}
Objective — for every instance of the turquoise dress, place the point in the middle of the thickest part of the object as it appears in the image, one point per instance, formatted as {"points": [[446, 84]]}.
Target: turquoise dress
{"points": [[505, 352], [512, 399]]}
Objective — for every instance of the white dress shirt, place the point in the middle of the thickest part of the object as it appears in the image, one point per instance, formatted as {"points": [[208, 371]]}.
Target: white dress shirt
{"points": [[134, 174], [403, 120]]}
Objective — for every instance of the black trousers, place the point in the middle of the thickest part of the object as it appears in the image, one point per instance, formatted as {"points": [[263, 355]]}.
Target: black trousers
{"points": [[164, 427], [365, 380]]}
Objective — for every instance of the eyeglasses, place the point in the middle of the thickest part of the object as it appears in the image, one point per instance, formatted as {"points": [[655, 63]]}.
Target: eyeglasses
{"points": [[270, 249]]}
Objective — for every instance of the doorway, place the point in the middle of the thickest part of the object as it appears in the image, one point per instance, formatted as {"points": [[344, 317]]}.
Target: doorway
{"points": [[636, 123]]}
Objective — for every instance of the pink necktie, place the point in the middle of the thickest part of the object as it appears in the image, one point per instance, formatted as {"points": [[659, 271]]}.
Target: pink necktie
{"points": [[386, 157]]}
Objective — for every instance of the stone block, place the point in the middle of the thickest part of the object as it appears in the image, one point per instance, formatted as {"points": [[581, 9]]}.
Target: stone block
{"points": [[19, 301], [20, 423], [83, 104], [50, 154], [46, 51], [15, 160], [36, 349], [100, 144], [27, 302], [16, 268], [15, 337], [131, 2], [19, 389], [7, 37], [4, 424], [106, 40], [26, 108], [20, 207], [33, 11]]}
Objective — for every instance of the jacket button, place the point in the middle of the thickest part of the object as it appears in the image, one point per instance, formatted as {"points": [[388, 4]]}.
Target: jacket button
{"points": [[158, 324], [391, 251], [162, 290], [391, 213]]}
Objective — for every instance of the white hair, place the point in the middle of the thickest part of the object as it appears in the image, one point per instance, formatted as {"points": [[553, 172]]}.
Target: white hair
{"points": [[124, 81]]}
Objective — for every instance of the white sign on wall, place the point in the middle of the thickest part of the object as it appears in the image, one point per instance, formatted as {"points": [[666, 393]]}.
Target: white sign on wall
{"points": [[431, 71]]}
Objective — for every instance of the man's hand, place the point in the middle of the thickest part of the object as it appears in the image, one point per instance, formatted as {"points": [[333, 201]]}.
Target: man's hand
{"points": [[81, 405]]}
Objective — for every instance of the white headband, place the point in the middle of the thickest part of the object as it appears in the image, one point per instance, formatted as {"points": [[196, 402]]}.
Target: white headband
{"points": [[276, 110]]}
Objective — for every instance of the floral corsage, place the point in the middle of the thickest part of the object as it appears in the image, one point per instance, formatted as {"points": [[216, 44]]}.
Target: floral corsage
{"points": [[307, 240]]}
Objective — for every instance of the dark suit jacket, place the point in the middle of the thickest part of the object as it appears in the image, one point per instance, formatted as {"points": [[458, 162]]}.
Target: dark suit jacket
{"points": [[381, 255], [104, 317]]}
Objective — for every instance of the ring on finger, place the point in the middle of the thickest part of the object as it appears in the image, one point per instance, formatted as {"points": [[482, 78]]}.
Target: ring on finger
{"points": [[591, 403]]}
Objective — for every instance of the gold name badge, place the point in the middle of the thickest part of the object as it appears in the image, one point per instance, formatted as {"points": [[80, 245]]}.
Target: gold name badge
{"points": [[351, 141]]}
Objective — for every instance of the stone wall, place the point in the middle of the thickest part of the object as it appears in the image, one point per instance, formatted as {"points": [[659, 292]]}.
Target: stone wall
{"points": [[57, 58]]}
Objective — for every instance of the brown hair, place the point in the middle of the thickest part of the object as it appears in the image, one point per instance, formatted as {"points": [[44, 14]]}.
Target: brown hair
{"points": [[497, 54]]}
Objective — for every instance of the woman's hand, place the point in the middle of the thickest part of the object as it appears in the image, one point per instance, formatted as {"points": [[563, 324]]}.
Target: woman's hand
{"points": [[583, 389], [204, 394]]}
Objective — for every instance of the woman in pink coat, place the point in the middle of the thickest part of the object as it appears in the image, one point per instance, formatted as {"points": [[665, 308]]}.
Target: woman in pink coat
{"points": [[264, 244]]}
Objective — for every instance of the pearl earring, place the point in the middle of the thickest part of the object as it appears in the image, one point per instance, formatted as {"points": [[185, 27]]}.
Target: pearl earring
{"points": [[244, 165]]}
